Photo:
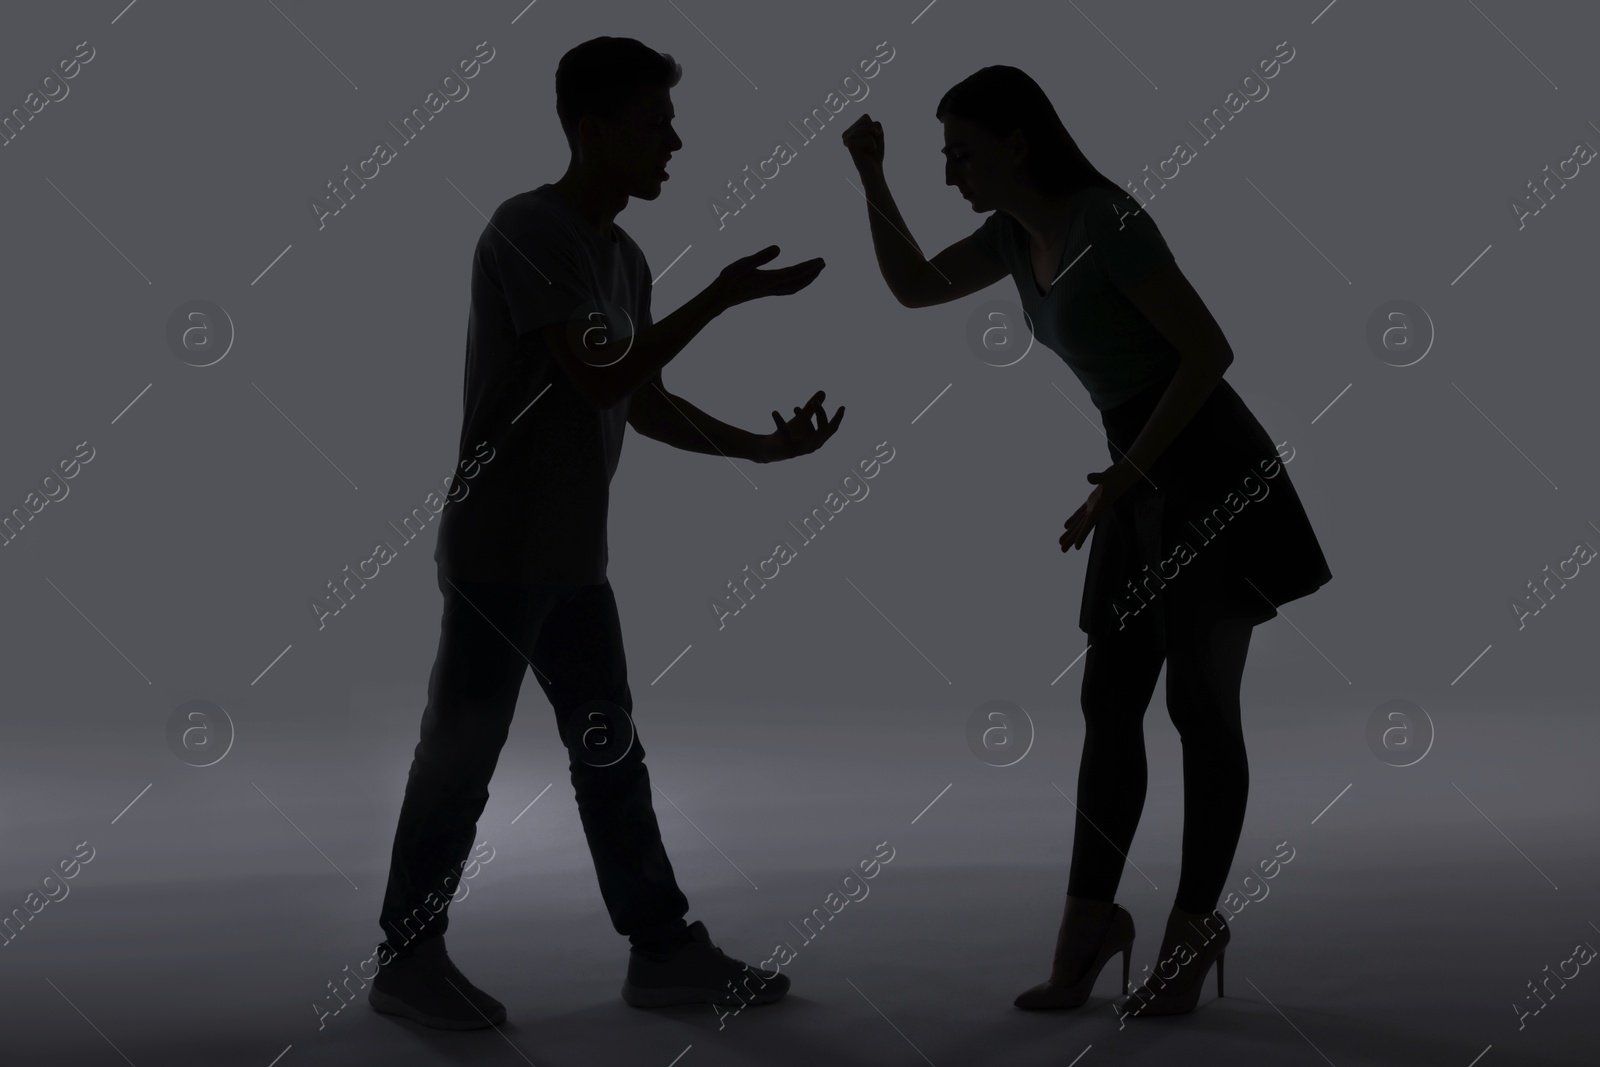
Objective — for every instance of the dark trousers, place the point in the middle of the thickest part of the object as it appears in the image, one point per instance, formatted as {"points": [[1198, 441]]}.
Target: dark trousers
{"points": [[1205, 664], [572, 638]]}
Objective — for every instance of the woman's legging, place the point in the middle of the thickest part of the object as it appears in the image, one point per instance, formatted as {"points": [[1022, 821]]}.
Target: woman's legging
{"points": [[1205, 664]]}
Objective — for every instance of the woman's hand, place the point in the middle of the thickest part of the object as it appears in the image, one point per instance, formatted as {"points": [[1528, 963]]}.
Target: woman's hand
{"points": [[864, 140], [800, 436], [1110, 484]]}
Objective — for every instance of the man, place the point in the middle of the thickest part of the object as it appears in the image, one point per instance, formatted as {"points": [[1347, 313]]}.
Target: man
{"points": [[561, 353]]}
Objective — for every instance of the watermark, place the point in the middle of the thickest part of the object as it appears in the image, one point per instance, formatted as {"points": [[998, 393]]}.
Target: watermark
{"points": [[605, 733], [1209, 928], [784, 153], [200, 733], [12, 525], [32, 904], [384, 153], [1000, 732], [784, 953], [1252, 487], [1582, 553], [193, 335], [12, 125], [589, 332], [1400, 733], [1394, 332], [1184, 153], [434, 903], [1523, 207], [785, 553], [1577, 959], [384, 553], [990, 333]]}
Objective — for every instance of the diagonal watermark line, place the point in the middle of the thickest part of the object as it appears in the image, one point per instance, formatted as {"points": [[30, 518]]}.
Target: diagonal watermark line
{"points": [[931, 803], [1120, 52], [899, 631], [531, 803], [1301, 232], [1302, 633], [532, 402], [1069, 266], [890, 1022], [679, 1056], [1069, 666], [1331, 803], [1324, 11], [88, 1020], [1102, 432], [1510, 842], [101, 232], [486, 1019], [713, 44], [924, 11], [1475, 659], [897, 229], [1332, 402], [302, 433], [1474, 262], [131, 803], [669, 666], [313, 44], [669, 266], [1513, 44], [497, 630], [302, 833], [668, 398], [280, 1055], [1102, 833], [702, 833], [524, 11], [497, 229], [132, 402], [1479, 1056], [1289, 1021], [97, 629], [274, 663], [1509, 441], [932, 402], [274, 263], [124, 11]]}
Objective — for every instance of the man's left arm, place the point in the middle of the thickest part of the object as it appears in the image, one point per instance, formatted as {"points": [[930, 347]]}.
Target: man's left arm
{"points": [[672, 420]]}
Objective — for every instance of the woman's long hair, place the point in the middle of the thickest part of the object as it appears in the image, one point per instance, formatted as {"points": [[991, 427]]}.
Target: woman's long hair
{"points": [[1000, 99]]}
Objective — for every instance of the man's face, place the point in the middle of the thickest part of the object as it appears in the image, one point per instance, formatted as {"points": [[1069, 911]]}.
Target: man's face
{"points": [[642, 139]]}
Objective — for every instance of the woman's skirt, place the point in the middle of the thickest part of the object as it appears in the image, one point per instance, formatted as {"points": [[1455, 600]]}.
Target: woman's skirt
{"points": [[1215, 530]]}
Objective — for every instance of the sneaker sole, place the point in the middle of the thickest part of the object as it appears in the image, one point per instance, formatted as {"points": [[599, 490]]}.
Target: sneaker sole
{"points": [[388, 1004], [668, 996]]}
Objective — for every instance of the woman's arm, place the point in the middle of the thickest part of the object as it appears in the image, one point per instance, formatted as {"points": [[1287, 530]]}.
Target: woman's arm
{"points": [[1166, 298]]}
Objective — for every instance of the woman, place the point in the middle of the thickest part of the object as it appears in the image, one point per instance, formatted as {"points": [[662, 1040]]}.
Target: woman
{"points": [[1198, 533]]}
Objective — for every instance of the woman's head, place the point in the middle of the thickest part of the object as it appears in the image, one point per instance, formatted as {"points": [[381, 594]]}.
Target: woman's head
{"points": [[1002, 136]]}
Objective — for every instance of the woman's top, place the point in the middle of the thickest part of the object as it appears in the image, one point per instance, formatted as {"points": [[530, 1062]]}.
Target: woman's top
{"points": [[1085, 319]]}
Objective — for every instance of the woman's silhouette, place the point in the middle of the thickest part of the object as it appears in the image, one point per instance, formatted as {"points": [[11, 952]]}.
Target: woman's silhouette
{"points": [[1198, 532]]}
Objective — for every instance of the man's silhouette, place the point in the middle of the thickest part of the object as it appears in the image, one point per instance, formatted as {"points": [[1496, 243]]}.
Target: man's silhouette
{"points": [[562, 353]]}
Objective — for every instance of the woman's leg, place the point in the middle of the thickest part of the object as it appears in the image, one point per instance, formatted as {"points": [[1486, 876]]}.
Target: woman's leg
{"points": [[1205, 665], [1119, 676]]}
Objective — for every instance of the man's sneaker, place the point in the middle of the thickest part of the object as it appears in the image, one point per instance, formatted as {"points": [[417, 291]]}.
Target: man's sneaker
{"points": [[698, 973], [425, 986]]}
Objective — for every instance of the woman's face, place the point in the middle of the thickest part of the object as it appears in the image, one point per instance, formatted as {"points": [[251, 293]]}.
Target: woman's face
{"points": [[981, 166]]}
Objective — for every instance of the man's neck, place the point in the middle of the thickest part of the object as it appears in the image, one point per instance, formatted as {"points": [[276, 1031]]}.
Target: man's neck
{"points": [[593, 202]]}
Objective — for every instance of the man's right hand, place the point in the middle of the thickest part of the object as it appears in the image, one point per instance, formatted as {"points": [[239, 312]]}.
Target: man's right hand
{"points": [[741, 281], [864, 141]]}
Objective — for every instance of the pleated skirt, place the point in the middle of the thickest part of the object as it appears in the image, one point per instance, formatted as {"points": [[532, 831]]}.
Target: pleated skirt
{"points": [[1215, 530]]}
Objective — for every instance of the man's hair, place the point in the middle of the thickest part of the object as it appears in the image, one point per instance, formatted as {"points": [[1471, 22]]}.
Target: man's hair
{"points": [[600, 76]]}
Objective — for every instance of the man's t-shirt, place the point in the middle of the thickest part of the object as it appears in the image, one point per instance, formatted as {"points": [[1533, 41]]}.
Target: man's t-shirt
{"points": [[1086, 320], [536, 512]]}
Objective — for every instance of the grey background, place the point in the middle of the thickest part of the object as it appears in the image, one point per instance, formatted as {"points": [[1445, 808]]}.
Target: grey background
{"points": [[180, 565]]}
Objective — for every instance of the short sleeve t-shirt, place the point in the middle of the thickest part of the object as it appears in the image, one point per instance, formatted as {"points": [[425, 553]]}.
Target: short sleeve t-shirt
{"points": [[1085, 319], [535, 511]]}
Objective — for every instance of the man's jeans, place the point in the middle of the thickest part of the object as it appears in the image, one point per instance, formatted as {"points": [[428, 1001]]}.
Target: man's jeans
{"points": [[489, 636]]}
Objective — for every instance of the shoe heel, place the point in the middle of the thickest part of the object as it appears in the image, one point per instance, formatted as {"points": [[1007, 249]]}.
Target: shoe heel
{"points": [[1127, 952], [1220, 957]]}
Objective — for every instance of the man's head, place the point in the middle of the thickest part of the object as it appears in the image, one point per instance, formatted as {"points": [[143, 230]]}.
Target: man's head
{"points": [[612, 97]]}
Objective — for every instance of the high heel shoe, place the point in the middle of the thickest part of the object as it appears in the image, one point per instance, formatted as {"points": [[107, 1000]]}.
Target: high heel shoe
{"points": [[1062, 991], [1178, 993]]}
